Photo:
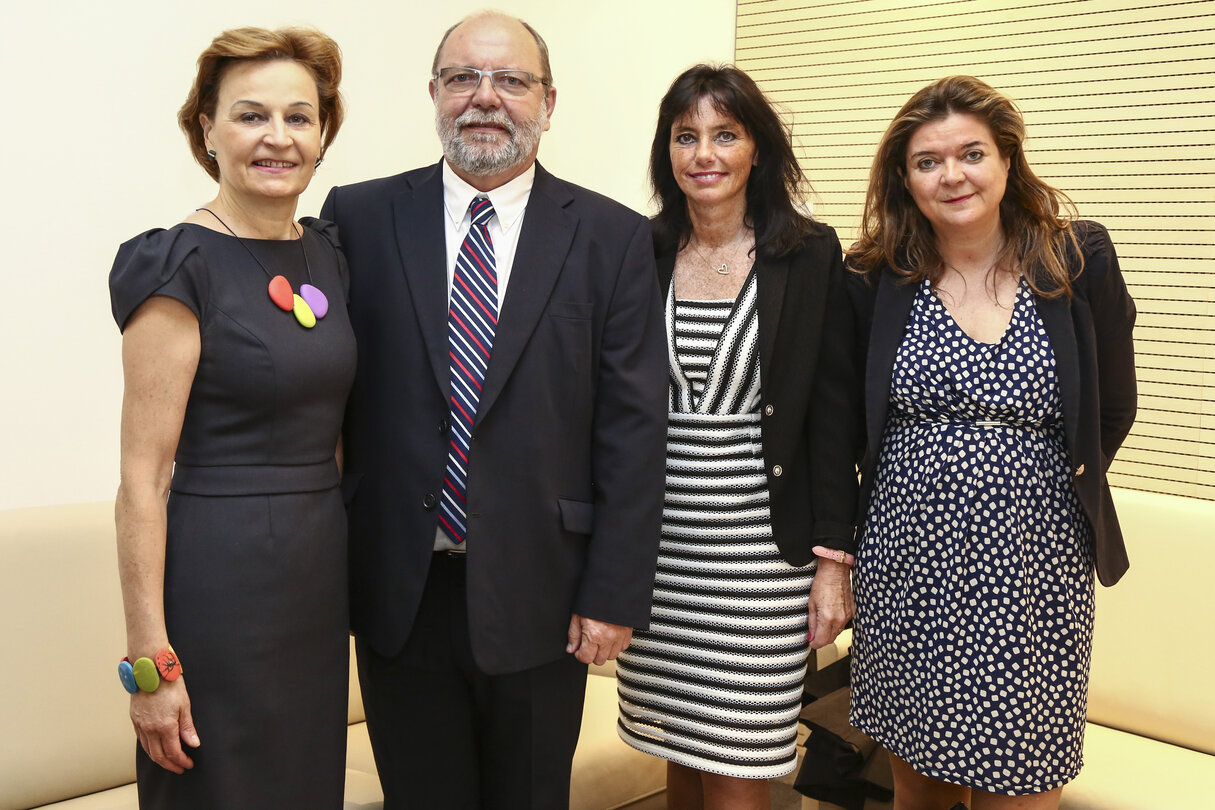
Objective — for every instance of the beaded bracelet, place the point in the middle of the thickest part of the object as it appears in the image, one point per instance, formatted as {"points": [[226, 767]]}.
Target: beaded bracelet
{"points": [[834, 554], [146, 673]]}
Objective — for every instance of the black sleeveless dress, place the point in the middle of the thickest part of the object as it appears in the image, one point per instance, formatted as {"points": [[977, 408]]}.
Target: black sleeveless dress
{"points": [[255, 559]]}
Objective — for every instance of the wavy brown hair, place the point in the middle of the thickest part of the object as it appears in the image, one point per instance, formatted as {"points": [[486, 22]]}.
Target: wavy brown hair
{"points": [[1034, 217], [777, 184], [316, 52]]}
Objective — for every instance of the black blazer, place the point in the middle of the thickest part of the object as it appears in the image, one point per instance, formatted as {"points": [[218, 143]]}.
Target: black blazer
{"points": [[1095, 357], [566, 474], [808, 394]]}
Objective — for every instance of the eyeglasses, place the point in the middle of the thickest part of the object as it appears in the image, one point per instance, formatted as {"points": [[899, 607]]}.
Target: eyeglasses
{"points": [[464, 81]]}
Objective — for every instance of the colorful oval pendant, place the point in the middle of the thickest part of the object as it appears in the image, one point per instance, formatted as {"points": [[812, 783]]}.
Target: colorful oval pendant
{"points": [[303, 313], [280, 293], [316, 300]]}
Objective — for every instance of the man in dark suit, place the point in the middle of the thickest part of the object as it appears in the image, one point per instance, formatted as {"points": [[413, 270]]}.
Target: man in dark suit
{"points": [[504, 444]]}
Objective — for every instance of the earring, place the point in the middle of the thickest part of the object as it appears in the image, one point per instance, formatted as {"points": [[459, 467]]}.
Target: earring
{"points": [[211, 154]]}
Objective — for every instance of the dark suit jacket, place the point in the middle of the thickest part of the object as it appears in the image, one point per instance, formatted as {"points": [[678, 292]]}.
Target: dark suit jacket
{"points": [[1095, 358], [566, 469], [809, 394]]}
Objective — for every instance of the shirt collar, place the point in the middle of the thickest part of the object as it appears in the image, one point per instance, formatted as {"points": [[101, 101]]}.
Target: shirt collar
{"points": [[509, 199]]}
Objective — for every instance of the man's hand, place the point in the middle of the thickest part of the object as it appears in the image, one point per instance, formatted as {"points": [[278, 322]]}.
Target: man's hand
{"points": [[597, 642]]}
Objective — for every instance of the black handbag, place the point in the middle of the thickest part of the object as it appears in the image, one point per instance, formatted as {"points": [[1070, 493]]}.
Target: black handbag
{"points": [[842, 766]]}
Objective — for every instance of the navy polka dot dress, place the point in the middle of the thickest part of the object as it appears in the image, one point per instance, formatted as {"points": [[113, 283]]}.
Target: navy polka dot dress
{"points": [[974, 582]]}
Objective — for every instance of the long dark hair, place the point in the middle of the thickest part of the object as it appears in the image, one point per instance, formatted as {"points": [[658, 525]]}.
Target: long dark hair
{"points": [[777, 184], [1034, 216]]}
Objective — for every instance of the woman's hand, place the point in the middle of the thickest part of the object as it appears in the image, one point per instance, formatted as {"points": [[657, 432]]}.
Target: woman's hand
{"points": [[163, 722], [831, 605]]}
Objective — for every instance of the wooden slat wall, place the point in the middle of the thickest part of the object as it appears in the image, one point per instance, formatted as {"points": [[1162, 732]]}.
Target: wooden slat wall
{"points": [[1119, 98]]}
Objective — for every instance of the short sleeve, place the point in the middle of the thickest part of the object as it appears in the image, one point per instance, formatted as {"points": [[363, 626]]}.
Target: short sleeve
{"points": [[158, 262], [329, 232]]}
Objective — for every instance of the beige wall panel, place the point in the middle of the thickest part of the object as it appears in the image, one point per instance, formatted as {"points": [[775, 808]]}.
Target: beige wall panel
{"points": [[1178, 306], [1168, 486], [1119, 99], [1163, 222]]}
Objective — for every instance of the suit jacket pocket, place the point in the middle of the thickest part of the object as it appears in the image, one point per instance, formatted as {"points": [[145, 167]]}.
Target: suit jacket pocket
{"points": [[576, 516], [350, 485], [571, 309]]}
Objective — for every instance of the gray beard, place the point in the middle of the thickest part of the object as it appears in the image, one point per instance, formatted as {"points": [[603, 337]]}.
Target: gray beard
{"points": [[481, 155]]}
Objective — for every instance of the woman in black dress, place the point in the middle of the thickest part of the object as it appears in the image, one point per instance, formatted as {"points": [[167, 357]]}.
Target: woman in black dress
{"points": [[237, 360], [1000, 382]]}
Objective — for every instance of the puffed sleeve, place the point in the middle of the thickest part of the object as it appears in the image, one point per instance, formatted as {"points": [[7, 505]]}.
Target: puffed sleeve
{"points": [[157, 262], [329, 232]]}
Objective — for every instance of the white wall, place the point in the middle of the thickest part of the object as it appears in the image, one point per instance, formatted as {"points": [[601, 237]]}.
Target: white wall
{"points": [[91, 156]]}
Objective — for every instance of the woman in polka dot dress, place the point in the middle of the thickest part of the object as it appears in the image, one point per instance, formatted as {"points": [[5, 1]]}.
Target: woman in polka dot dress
{"points": [[1000, 382]]}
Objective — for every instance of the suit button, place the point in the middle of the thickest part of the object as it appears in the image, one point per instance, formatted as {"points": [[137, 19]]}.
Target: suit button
{"points": [[444, 426], [777, 470], [769, 410], [1080, 471], [429, 501]]}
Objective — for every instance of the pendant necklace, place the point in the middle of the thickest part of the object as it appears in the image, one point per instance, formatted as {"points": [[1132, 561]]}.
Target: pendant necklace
{"points": [[309, 305], [722, 269]]}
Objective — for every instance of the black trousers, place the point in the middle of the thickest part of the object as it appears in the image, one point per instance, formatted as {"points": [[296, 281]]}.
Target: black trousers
{"points": [[447, 736]]}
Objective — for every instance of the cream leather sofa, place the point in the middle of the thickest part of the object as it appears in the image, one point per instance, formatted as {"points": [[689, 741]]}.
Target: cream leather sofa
{"points": [[65, 738], [1150, 741]]}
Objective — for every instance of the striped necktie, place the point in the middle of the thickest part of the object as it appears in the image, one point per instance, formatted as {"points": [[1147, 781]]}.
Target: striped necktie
{"points": [[472, 317]]}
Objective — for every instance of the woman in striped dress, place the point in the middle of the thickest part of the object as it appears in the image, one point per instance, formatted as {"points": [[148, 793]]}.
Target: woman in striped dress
{"points": [[761, 484]]}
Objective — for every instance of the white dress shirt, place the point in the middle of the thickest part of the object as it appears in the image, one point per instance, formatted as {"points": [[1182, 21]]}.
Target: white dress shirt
{"points": [[510, 204]]}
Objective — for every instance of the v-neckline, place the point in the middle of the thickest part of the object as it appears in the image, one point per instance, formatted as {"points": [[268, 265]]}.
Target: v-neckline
{"points": [[1008, 327], [676, 366]]}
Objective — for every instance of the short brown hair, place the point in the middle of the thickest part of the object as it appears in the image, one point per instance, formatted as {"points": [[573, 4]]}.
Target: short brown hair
{"points": [[1034, 216], [315, 51]]}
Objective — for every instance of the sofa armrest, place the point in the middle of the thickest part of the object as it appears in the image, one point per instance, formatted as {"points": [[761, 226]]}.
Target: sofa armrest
{"points": [[835, 651]]}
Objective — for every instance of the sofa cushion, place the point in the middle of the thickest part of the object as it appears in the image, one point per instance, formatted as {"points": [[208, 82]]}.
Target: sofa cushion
{"points": [[1124, 771], [607, 772], [1152, 651], [64, 629]]}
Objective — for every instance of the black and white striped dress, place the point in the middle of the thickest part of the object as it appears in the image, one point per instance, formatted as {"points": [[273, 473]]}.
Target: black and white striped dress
{"points": [[716, 682]]}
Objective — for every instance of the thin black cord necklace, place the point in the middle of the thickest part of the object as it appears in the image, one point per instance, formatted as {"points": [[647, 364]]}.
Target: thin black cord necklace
{"points": [[309, 305]]}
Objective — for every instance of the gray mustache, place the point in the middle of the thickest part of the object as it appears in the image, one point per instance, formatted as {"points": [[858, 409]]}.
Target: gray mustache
{"points": [[471, 119]]}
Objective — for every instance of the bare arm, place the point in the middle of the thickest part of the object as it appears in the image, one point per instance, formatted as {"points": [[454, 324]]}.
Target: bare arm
{"points": [[160, 351]]}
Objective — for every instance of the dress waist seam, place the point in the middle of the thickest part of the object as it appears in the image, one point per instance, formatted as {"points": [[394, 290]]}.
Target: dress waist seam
{"points": [[255, 479]]}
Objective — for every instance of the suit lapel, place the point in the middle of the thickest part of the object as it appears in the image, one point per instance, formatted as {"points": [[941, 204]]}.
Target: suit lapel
{"points": [[544, 242], [773, 278], [1056, 316], [418, 215], [891, 308]]}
